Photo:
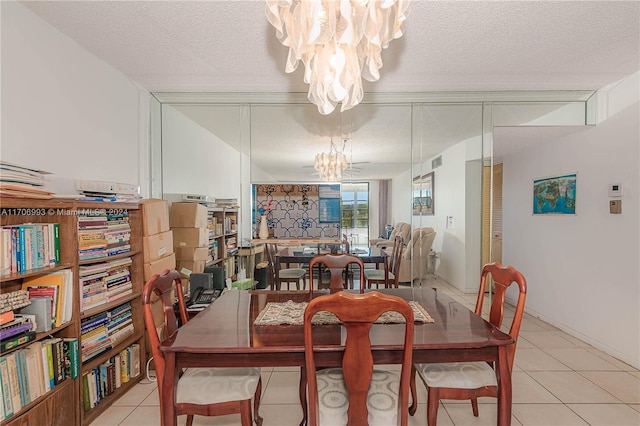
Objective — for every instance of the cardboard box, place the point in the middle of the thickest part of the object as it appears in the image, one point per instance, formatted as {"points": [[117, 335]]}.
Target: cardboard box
{"points": [[186, 267], [188, 215], [155, 216], [158, 266], [190, 237], [157, 246], [192, 253]]}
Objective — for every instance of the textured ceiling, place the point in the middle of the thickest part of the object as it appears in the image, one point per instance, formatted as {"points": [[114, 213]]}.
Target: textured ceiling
{"points": [[228, 46]]}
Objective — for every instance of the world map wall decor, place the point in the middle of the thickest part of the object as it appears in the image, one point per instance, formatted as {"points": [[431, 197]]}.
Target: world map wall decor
{"points": [[555, 195]]}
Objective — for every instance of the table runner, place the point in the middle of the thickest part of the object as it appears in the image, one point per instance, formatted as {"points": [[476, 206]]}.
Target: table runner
{"points": [[292, 313]]}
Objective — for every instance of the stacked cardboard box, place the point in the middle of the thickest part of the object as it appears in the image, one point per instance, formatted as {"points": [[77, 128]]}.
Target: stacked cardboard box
{"points": [[190, 237]]}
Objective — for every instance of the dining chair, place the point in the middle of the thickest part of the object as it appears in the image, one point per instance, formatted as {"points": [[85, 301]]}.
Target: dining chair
{"points": [[337, 264], [201, 391], [470, 380], [376, 276], [348, 273], [356, 393], [286, 275]]}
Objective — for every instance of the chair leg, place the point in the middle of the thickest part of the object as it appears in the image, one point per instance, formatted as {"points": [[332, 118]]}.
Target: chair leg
{"points": [[433, 399], [414, 394], [474, 406], [189, 420], [245, 413], [256, 403], [302, 391]]}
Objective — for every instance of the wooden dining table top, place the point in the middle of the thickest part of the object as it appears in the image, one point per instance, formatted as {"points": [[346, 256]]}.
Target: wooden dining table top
{"points": [[227, 327]]}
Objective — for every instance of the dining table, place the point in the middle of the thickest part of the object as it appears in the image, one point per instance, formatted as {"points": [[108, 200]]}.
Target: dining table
{"points": [[303, 255], [226, 335]]}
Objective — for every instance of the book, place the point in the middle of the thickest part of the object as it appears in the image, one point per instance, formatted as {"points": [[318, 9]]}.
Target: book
{"points": [[124, 365], [5, 244], [72, 357], [33, 358], [15, 330], [7, 401], [50, 292], [86, 401], [48, 344], [135, 360], [56, 242], [15, 341], [116, 363], [14, 382], [6, 317], [59, 280], [57, 350], [44, 365], [40, 307]]}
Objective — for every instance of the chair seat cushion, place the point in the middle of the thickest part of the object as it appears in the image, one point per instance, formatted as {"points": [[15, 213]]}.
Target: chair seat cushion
{"points": [[382, 400], [292, 273], [377, 274], [460, 375], [212, 385]]}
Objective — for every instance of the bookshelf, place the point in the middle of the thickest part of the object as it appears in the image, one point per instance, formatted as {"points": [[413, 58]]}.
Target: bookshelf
{"points": [[53, 406], [223, 238]]}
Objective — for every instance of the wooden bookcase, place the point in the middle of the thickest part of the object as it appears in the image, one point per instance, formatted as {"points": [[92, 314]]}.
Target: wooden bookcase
{"points": [[54, 407], [223, 243]]}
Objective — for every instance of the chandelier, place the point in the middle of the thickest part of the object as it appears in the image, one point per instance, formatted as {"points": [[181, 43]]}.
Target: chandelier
{"points": [[338, 41], [331, 165]]}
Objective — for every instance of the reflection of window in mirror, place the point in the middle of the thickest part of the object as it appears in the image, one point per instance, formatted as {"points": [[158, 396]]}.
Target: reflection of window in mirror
{"points": [[423, 194]]}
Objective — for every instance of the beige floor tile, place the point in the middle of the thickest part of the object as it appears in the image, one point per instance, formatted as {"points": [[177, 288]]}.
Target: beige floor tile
{"points": [[620, 364], [607, 414], [547, 339], [282, 389], [622, 385], [523, 343], [137, 394], [537, 360], [571, 387], [546, 415], [281, 415], [581, 359], [152, 399], [143, 416], [635, 407], [530, 323], [113, 416], [527, 390], [420, 418], [462, 415]]}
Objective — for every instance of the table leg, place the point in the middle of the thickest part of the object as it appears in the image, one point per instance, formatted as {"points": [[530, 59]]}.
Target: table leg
{"points": [[504, 387], [168, 390], [303, 395]]}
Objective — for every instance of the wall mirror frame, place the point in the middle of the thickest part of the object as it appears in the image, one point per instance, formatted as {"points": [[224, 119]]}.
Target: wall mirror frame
{"points": [[456, 126]]}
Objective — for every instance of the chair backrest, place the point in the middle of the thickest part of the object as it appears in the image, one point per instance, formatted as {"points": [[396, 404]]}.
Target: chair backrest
{"points": [[336, 264], [396, 258], [162, 287], [347, 245], [357, 313], [271, 250], [503, 277]]}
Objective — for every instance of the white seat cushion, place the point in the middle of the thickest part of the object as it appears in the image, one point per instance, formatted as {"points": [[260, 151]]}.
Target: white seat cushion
{"points": [[460, 375], [212, 385], [376, 274], [292, 273], [382, 400]]}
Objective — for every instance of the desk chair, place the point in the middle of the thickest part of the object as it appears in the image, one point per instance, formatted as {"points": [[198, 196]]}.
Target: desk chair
{"points": [[287, 275], [201, 391], [337, 265], [357, 391], [470, 380], [376, 276]]}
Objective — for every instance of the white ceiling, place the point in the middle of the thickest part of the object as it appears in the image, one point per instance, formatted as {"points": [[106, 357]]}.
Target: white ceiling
{"points": [[228, 46]]}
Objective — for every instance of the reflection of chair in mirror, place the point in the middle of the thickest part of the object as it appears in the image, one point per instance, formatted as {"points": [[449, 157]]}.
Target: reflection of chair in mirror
{"points": [[403, 229], [337, 264], [348, 273], [415, 258], [286, 275], [201, 391], [356, 393], [470, 380], [376, 276]]}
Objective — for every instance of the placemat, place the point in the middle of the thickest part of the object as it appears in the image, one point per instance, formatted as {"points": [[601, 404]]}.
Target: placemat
{"points": [[292, 313]]}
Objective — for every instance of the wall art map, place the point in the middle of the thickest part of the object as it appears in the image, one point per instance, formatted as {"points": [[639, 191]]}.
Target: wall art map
{"points": [[555, 195]]}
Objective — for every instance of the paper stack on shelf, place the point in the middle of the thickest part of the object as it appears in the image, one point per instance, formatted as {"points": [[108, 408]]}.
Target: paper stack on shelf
{"points": [[20, 181]]}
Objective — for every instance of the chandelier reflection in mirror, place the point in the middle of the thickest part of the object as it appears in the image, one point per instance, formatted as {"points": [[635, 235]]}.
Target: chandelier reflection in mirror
{"points": [[338, 41], [331, 165]]}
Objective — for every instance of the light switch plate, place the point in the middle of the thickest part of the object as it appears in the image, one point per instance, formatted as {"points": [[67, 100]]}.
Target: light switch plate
{"points": [[615, 190]]}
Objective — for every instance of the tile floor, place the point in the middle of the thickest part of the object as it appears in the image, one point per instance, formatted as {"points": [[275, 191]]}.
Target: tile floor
{"points": [[557, 380]]}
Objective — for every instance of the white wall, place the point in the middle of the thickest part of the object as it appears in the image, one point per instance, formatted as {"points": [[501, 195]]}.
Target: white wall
{"points": [[64, 110], [583, 270]]}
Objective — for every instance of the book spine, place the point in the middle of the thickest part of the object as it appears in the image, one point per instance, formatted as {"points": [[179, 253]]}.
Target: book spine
{"points": [[40, 254], [45, 367], [23, 249], [33, 373], [6, 317], [15, 330], [56, 243], [116, 364], [16, 341], [111, 377], [135, 360], [73, 357], [58, 359], [124, 365], [103, 380], [52, 373], [6, 388], [14, 382], [6, 251], [96, 378], [86, 401]]}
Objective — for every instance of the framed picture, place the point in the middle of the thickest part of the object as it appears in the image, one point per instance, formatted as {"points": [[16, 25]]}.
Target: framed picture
{"points": [[423, 195], [555, 195]]}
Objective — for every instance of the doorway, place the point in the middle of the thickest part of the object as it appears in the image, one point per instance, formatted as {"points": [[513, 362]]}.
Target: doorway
{"points": [[354, 200]]}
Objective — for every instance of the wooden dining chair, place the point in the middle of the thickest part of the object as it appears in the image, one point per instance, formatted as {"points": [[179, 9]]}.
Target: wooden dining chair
{"points": [[376, 276], [348, 273], [337, 264], [284, 275], [470, 380], [201, 391], [357, 394]]}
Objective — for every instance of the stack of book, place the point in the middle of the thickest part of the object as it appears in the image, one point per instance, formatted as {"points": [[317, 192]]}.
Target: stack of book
{"points": [[58, 286], [104, 282], [92, 225], [24, 182], [119, 323], [29, 373], [15, 329], [93, 336], [29, 246], [118, 232], [103, 380]]}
